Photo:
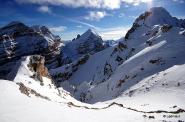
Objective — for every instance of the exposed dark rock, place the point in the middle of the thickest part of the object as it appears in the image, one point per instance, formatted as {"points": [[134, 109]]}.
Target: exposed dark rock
{"points": [[121, 81], [78, 36], [151, 117], [62, 76], [27, 91], [149, 43], [165, 28], [157, 61], [108, 70], [122, 46], [134, 27]]}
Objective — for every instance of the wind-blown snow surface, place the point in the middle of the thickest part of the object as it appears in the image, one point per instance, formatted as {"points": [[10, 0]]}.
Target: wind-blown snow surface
{"points": [[16, 107]]}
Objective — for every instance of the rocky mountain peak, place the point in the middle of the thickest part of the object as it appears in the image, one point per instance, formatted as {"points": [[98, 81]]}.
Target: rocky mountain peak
{"points": [[89, 33], [88, 42], [13, 27], [154, 16], [41, 29], [13, 23], [158, 16]]}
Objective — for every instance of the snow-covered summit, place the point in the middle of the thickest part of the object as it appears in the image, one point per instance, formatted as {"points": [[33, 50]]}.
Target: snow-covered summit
{"points": [[14, 23], [88, 33], [158, 16], [150, 18], [14, 27], [89, 42], [43, 30]]}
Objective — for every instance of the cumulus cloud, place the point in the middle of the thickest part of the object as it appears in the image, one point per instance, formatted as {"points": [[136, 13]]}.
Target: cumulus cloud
{"points": [[44, 9], [96, 15], [108, 4], [58, 29]]}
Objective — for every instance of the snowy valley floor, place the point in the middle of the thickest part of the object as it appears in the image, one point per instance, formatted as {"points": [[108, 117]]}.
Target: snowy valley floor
{"points": [[17, 107]]}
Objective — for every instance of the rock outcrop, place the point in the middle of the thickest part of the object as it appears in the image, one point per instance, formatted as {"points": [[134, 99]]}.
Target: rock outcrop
{"points": [[165, 28], [36, 65]]}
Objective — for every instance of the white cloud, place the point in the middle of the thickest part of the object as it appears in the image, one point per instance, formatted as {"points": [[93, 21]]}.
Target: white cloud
{"points": [[75, 21], [58, 29], [113, 33], [133, 17], [44, 9], [79, 26], [180, 1], [106, 33], [96, 15], [83, 23], [181, 17], [108, 4]]}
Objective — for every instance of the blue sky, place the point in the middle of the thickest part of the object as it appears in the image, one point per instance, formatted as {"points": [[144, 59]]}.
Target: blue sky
{"points": [[110, 18]]}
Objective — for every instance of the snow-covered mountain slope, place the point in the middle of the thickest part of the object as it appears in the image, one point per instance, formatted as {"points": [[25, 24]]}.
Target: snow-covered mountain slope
{"points": [[89, 42], [155, 60], [17, 107], [36, 109], [91, 70], [17, 40], [40, 102], [31, 73], [165, 88], [111, 72], [164, 51]]}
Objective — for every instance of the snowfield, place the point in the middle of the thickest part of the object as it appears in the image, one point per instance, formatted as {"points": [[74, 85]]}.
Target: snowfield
{"points": [[17, 107]]}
